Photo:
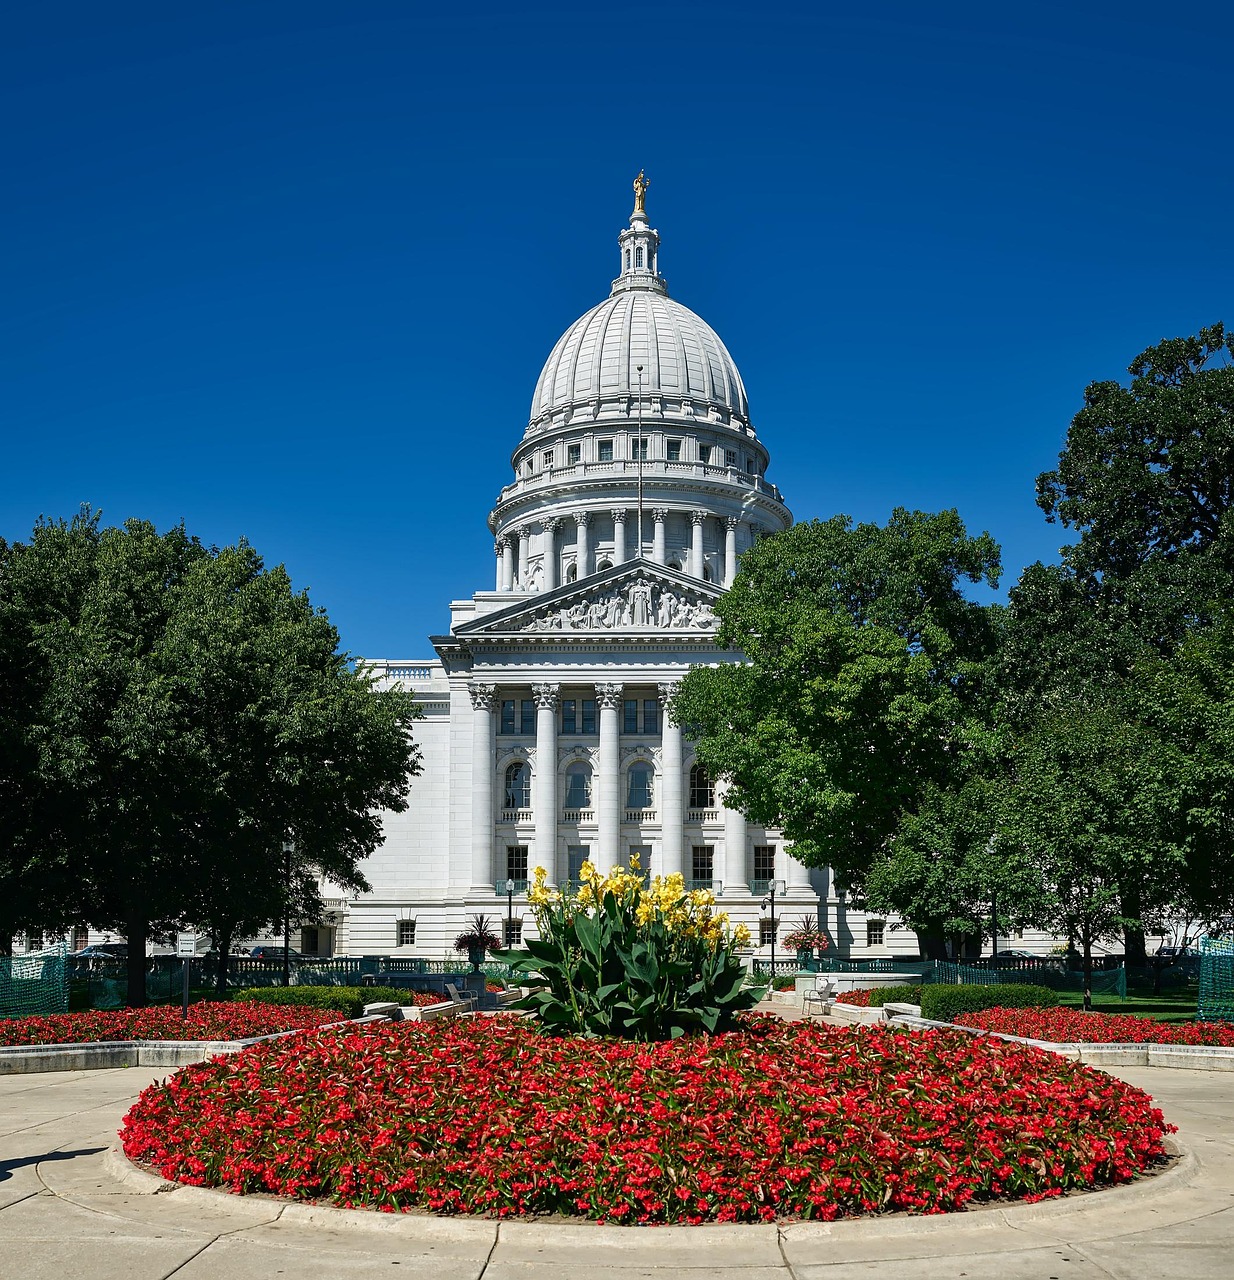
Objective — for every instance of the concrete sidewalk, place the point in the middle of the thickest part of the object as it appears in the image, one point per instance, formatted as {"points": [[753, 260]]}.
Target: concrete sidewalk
{"points": [[64, 1213]]}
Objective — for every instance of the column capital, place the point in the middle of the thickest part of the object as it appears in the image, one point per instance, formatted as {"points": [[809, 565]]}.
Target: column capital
{"points": [[503, 541], [551, 525], [523, 531], [697, 517], [731, 522], [483, 696], [619, 515], [546, 696], [666, 690], [609, 695], [583, 518], [659, 514]]}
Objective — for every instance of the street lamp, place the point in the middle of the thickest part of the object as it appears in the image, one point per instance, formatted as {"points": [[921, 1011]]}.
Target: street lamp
{"points": [[773, 887], [288, 849], [507, 887]]}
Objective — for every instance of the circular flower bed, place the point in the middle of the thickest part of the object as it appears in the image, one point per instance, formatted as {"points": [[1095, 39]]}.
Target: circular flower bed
{"points": [[488, 1116], [206, 1021], [1073, 1026]]}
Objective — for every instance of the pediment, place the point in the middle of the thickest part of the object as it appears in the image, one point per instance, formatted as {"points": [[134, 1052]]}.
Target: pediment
{"points": [[635, 598]]}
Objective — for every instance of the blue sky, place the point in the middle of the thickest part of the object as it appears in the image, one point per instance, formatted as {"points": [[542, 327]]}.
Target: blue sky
{"points": [[289, 271]]}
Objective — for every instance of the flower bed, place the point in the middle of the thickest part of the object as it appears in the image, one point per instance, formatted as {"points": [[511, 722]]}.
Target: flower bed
{"points": [[206, 1021], [1073, 1026], [879, 996], [489, 1116]]}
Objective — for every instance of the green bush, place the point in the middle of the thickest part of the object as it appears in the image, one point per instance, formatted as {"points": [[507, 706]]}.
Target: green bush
{"points": [[942, 1001], [880, 996], [351, 1000]]}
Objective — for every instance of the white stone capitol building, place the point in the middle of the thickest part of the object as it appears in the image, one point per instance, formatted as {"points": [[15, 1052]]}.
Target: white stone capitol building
{"points": [[638, 482]]}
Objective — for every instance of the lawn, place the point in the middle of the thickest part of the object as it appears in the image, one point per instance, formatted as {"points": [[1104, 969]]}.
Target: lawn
{"points": [[1167, 1007]]}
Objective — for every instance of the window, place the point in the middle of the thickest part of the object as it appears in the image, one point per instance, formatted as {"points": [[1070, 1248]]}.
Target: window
{"points": [[638, 448], [507, 715], [572, 573], [704, 453], [672, 450], [576, 855], [604, 450], [518, 786], [640, 789], [630, 710], [512, 932], [702, 859], [310, 940], [767, 931], [589, 715], [706, 572], [750, 467], [578, 786], [516, 862], [702, 790], [643, 853], [764, 862], [574, 453], [627, 259], [81, 936], [874, 933], [604, 564], [548, 459], [730, 457], [569, 715], [34, 940], [529, 465], [528, 709], [651, 716], [406, 934], [518, 717], [638, 256]]}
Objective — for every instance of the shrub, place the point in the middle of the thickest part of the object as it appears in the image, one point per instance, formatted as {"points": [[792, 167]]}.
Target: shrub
{"points": [[943, 1001], [623, 958], [351, 1000]]}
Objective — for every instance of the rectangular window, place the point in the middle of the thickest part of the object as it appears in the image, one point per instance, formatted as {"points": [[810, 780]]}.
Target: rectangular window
{"points": [[730, 457], [576, 855], [512, 931], [704, 453], [750, 468], [574, 454], [529, 716], [672, 450], [548, 459], [638, 448], [406, 933], [81, 936], [767, 931], [630, 708], [569, 723], [604, 450], [507, 715], [702, 859], [589, 715], [764, 862], [516, 862], [643, 853], [310, 941], [651, 716], [874, 933], [34, 941]]}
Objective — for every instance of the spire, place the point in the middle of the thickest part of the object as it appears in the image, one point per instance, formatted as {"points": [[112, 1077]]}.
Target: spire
{"points": [[640, 247]]}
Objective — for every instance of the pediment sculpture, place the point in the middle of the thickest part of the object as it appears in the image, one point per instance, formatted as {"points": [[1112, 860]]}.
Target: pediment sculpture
{"points": [[628, 606]]}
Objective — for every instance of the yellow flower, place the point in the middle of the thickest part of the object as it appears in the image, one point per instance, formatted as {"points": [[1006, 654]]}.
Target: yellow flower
{"points": [[741, 936]]}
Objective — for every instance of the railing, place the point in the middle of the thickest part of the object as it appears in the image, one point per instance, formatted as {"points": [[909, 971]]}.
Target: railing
{"points": [[577, 815], [629, 466], [640, 815], [517, 815], [758, 888], [702, 815], [418, 672], [708, 883]]}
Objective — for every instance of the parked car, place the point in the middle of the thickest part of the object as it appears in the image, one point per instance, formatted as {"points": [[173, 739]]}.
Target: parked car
{"points": [[273, 953], [103, 951], [1176, 953], [1011, 953]]}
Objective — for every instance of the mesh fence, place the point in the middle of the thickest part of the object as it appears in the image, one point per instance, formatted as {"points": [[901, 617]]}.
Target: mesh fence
{"points": [[1104, 982], [37, 983], [1215, 1002]]}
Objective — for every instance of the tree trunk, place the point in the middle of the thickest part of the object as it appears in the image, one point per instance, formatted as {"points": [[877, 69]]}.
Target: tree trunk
{"points": [[1135, 951], [1088, 971], [222, 944], [135, 933], [932, 943]]}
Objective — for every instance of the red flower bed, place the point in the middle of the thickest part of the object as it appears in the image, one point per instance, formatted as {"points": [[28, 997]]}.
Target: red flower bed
{"points": [[861, 998], [1073, 1026], [206, 1021], [488, 1116], [423, 998]]}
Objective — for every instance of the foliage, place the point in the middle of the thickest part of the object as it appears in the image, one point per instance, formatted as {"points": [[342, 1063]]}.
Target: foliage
{"points": [[1072, 1026], [350, 999], [479, 935], [806, 936], [876, 997], [621, 958], [205, 1021], [942, 1002], [486, 1116]]}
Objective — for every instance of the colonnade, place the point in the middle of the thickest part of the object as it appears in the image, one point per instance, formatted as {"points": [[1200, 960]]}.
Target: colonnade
{"points": [[513, 548]]}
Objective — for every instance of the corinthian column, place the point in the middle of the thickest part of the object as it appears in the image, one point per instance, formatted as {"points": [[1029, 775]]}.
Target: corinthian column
{"points": [[659, 515], [583, 560], [549, 543], [672, 816], [507, 563], [608, 808], [619, 535], [524, 548], [497, 549], [730, 550], [696, 543], [545, 816], [483, 752]]}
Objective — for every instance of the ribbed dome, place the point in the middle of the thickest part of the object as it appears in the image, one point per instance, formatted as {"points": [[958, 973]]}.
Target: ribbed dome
{"points": [[682, 358]]}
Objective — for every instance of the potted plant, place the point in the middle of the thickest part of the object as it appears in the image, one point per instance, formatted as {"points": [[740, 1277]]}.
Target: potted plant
{"points": [[807, 938], [478, 939]]}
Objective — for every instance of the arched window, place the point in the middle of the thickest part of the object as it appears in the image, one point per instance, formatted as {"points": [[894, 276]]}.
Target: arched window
{"points": [[604, 564], [518, 786], [640, 791], [706, 573], [673, 564], [572, 573], [638, 256], [578, 786], [702, 789], [627, 259]]}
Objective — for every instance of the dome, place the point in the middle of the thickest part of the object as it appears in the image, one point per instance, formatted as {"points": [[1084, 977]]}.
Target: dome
{"points": [[597, 358]]}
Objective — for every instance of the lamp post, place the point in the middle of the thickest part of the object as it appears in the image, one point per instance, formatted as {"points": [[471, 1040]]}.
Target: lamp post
{"points": [[773, 887], [288, 847], [507, 887]]}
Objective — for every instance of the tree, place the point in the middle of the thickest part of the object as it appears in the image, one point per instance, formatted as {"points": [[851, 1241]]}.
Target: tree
{"points": [[861, 661], [187, 713]]}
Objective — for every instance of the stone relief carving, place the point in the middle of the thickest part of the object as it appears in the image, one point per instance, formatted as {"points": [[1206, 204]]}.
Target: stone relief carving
{"points": [[639, 604]]}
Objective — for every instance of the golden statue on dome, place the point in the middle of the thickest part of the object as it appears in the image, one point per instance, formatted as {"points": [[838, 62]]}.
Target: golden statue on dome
{"points": [[640, 192]]}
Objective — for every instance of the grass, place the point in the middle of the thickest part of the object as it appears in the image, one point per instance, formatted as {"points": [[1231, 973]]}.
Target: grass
{"points": [[1167, 1007]]}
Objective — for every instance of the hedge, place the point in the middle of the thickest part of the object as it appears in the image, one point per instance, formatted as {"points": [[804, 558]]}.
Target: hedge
{"points": [[942, 1001], [907, 994], [351, 1000]]}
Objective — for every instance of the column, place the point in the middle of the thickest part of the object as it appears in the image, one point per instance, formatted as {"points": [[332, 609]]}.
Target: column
{"points": [[583, 559], [549, 551], [730, 550], [609, 809], [545, 798], [659, 515], [524, 548], [736, 857], [497, 550], [483, 763], [619, 536], [798, 877], [672, 815], [696, 543], [507, 563]]}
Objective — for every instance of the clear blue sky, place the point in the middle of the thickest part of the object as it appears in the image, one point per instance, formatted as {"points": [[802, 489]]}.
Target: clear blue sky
{"points": [[288, 271]]}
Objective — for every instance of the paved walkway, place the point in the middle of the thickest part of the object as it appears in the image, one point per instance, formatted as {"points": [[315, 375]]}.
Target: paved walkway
{"points": [[66, 1211]]}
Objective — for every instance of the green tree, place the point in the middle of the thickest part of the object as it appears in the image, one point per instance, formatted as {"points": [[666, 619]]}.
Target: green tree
{"points": [[851, 711]]}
